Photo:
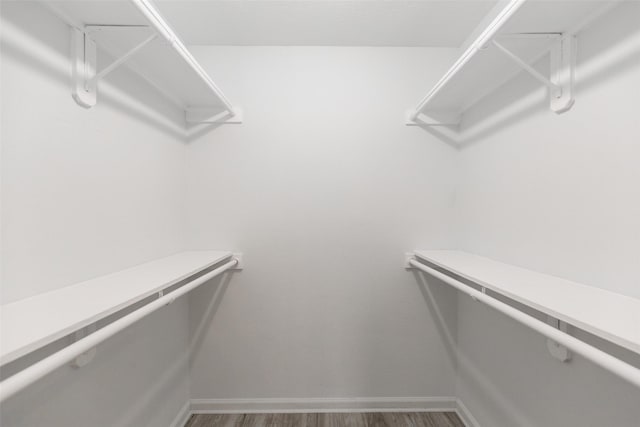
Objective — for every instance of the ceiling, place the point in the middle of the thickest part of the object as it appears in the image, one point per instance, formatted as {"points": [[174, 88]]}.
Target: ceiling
{"points": [[433, 23]]}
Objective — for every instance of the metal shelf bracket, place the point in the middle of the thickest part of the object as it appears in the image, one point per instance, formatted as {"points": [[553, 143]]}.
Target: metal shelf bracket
{"points": [[558, 351], [562, 69], [85, 74], [83, 68]]}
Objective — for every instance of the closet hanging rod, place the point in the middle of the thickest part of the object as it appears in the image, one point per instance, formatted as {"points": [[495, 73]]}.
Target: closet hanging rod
{"points": [[161, 26], [33, 373], [612, 364]]}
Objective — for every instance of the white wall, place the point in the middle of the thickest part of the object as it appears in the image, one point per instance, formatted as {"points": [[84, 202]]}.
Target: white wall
{"points": [[84, 193], [323, 188], [558, 194]]}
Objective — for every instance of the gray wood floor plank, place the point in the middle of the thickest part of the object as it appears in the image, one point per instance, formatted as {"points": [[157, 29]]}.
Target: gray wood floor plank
{"points": [[371, 419], [428, 419], [446, 419], [405, 419], [215, 420], [375, 419], [277, 420], [256, 420], [342, 420], [454, 419], [293, 420]]}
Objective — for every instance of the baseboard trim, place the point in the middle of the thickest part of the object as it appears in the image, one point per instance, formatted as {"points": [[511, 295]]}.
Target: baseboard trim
{"points": [[183, 416], [378, 404], [465, 414]]}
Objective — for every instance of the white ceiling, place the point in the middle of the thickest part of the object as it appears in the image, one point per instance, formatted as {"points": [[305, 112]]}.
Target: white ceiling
{"points": [[445, 23]]}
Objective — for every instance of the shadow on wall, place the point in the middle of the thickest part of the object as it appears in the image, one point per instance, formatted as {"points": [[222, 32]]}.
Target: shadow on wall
{"points": [[129, 343], [121, 355], [195, 131], [211, 294], [431, 288], [604, 52], [446, 134], [514, 355], [446, 328], [137, 411], [33, 36]]}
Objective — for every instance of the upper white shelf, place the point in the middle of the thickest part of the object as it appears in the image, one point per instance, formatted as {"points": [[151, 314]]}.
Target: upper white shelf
{"points": [[608, 315], [528, 29], [34, 322], [122, 28]]}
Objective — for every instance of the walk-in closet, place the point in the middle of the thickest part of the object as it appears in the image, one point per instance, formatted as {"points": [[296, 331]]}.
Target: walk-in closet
{"points": [[319, 213]]}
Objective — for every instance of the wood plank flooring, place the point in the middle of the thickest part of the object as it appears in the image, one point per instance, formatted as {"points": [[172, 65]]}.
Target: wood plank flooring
{"points": [[369, 419]]}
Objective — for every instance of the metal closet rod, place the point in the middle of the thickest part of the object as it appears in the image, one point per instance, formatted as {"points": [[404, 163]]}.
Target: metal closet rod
{"points": [[33, 373], [161, 26], [612, 364]]}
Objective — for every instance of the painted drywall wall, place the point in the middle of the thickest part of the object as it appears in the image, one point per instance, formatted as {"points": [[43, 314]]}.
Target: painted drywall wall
{"points": [[323, 188], [139, 377], [558, 194], [84, 193]]}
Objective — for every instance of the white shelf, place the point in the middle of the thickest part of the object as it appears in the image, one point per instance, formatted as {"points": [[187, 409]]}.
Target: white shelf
{"points": [[611, 316], [34, 322], [163, 62], [482, 68]]}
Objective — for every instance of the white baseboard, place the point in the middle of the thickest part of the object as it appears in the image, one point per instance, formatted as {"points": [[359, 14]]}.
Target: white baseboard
{"points": [[465, 415], [377, 404], [183, 416]]}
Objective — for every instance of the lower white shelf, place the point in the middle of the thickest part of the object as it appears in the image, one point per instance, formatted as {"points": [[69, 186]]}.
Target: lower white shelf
{"points": [[34, 322], [608, 315]]}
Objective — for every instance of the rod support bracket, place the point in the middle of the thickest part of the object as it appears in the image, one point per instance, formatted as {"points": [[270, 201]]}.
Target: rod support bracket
{"points": [[558, 351], [238, 256], [85, 358], [408, 257]]}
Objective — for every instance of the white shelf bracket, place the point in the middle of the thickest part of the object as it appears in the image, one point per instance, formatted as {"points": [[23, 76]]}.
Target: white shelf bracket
{"points": [[554, 89], [83, 68], [84, 63], [205, 115], [562, 61], [86, 357], [563, 66], [558, 351], [115, 64]]}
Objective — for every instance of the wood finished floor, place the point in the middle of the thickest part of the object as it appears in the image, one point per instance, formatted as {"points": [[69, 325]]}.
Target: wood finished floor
{"points": [[369, 419]]}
